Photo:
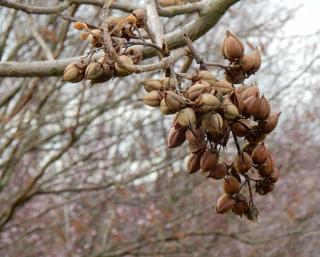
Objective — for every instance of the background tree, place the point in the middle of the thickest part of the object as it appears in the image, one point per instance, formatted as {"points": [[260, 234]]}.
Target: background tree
{"points": [[86, 172]]}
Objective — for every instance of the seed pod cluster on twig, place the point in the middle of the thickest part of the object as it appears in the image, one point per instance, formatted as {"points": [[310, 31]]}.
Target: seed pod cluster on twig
{"points": [[207, 114]]}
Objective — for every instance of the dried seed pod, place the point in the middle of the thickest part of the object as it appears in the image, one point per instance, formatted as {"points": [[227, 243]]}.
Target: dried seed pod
{"points": [[135, 54], [122, 72], [164, 108], [263, 110], [176, 137], [74, 72], [266, 169], [80, 25], [263, 187], [197, 89], [275, 175], [140, 14], [250, 91], [230, 111], [241, 128], [197, 147], [249, 147], [218, 172], [235, 76], [260, 154], [173, 101], [257, 60], [208, 103], [195, 134], [240, 206], [247, 62], [237, 100], [209, 160], [193, 163], [224, 204], [251, 105], [114, 26], [108, 71], [243, 162], [231, 185], [95, 37], [187, 118], [151, 85], [213, 123], [223, 86], [169, 83], [94, 71], [152, 99], [233, 48], [204, 75], [270, 124]]}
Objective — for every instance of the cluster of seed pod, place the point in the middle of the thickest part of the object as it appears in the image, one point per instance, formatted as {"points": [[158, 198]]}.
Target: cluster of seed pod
{"points": [[207, 112], [105, 68]]}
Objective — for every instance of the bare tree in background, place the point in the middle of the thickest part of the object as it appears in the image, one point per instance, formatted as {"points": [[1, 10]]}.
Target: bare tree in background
{"points": [[84, 171]]}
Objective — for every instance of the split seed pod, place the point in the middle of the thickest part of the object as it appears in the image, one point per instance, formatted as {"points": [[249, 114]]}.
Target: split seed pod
{"points": [[169, 83], [213, 123], [94, 71], [270, 124], [95, 37], [241, 128], [235, 76], [208, 103], [187, 118], [218, 172], [176, 137], [74, 72], [151, 85], [152, 98], [251, 105], [173, 101], [230, 111], [122, 72], [250, 91], [193, 163], [232, 48], [249, 147], [195, 134], [223, 86], [164, 108], [240, 206], [267, 168], [237, 100], [243, 162], [224, 204], [260, 154], [263, 110], [197, 89], [231, 185], [209, 160]]}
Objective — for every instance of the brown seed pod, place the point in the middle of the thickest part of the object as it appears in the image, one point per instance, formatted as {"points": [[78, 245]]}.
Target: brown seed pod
{"points": [[152, 98], [231, 185], [223, 86], [267, 168], [204, 75], [243, 162], [247, 62], [209, 160], [74, 72], [233, 48], [173, 101], [135, 54], [213, 123], [240, 206], [114, 26], [151, 85], [262, 188], [260, 154], [195, 134], [164, 108], [224, 204], [257, 60], [193, 163], [275, 175], [249, 147], [122, 72], [208, 103], [237, 100], [263, 110], [187, 118], [218, 172], [176, 137], [140, 14], [270, 124], [250, 91], [241, 128], [95, 37], [251, 105], [108, 71], [230, 111], [197, 147], [94, 71], [197, 89], [169, 83]]}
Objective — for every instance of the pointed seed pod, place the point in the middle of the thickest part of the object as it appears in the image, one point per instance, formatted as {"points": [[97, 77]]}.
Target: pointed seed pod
{"points": [[249, 148], [173, 101], [230, 111], [169, 83], [241, 128], [196, 90], [223, 86], [197, 147], [257, 60], [247, 62], [95, 37], [224, 204], [243, 163], [140, 14], [151, 85], [237, 100], [164, 108], [235, 76], [212, 122], [94, 71], [270, 124], [208, 103], [260, 154], [152, 98], [209, 160], [218, 172], [275, 175], [195, 134], [233, 48], [187, 118], [121, 72], [267, 168], [250, 91], [193, 163], [263, 110], [231, 185], [74, 72], [240, 206], [251, 105], [176, 137], [204, 75]]}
